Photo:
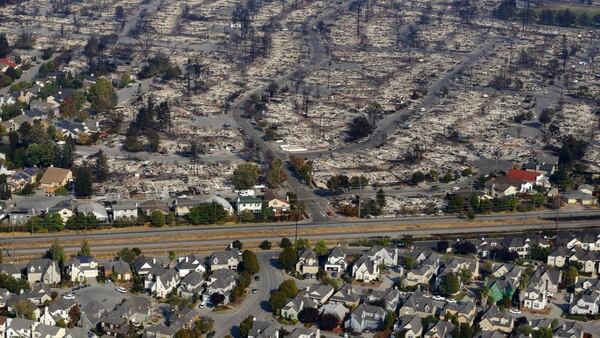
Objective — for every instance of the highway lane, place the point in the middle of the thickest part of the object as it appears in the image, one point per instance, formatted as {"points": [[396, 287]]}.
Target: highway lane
{"points": [[342, 236], [248, 227]]}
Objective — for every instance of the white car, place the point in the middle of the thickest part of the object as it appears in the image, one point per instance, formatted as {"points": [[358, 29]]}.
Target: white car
{"points": [[439, 298], [452, 301], [68, 296], [422, 110], [121, 289], [455, 188], [515, 311]]}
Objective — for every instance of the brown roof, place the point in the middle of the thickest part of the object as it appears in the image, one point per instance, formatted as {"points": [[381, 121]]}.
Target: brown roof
{"points": [[55, 175]]}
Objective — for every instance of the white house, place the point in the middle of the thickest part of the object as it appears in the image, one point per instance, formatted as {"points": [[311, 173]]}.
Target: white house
{"points": [[248, 203], [366, 316], [82, 268], [164, 283], [93, 208], [365, 269], [125, 210]]}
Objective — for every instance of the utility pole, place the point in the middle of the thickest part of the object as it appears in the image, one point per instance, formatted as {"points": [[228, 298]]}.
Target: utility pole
{"points": [[359, 197]]}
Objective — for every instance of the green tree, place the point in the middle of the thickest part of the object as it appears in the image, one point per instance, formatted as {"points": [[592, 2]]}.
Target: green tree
{"points": [[157, 218], [450, 284], [288, 288], [285, 243], [302, 243], [321, 248], [418, 177], [83, 182], [56, 252], [265, 245], [245, 326], [288, 258], [250, 262], [5, 49], [127, 255], [237, 244], [276, 174], [570, 276], [277, 301], [102, 171], [102, 95], [207, 213], [409, 263], [245, 176], [381, 198], [543, 332], [172, 256], [24, 309], [85, 249]]}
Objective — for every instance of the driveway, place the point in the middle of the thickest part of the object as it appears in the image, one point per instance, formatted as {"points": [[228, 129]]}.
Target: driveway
{"points": [[226, 322], [104, 294]]}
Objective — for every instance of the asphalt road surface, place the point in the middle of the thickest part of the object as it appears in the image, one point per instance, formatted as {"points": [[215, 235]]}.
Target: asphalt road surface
{"points": [[226, 322]]}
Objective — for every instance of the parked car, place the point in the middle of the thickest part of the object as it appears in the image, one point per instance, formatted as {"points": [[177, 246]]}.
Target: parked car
{"points": [[68, 296], [121, 289], [254, 290], [439, 298], [515, 311]]}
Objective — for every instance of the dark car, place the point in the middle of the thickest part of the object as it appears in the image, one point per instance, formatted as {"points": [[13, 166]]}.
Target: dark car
{"points": [[257, 278], [211, 334]]}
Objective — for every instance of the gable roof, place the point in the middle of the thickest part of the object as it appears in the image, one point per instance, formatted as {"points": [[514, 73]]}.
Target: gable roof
{"points": [[55, 175], [522, 175]]}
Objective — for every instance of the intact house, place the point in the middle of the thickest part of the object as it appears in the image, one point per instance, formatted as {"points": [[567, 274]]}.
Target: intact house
{"points": [[366, 317], [291, 310], [145, 265], [347, 296], [389, 298], [148, 207], [164, 283], [10, 270], [43, 270], [464, 311], [277, 204], [248, 203], [587, 303], [386, 256], [135, 310], [558, 257], [57, 311], [226, 259], [261, 329], [365, 269], [62, 208], [182, 206], [308, 262], [82, 268], [221, 281], [125, 210], [191, 285], [54, 178], [420, 276], [118, 271], [188, 264], [417, 304], [336, 263], [411, 326], [587, 259], [93, 209], [495, 320], [440, 330], [319, 293]]}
